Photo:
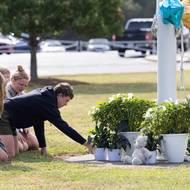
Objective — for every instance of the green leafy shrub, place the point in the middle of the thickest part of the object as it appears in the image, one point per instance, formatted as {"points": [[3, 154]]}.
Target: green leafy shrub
{"points": [[167, 118], [118, 108]]}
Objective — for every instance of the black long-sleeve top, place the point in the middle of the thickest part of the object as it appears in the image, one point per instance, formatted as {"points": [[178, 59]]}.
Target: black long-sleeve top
{"points": [[35, 107]]}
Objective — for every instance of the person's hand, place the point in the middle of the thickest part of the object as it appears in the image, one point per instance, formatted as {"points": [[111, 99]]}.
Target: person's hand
{"points": [[25, 131], [89, 146], [20, 137], [43, 151]]}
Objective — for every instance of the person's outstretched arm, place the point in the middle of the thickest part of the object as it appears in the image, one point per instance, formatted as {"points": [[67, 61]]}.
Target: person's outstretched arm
{"points": [[40, 135]]}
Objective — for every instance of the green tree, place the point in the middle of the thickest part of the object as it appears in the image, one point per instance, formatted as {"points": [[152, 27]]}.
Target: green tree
{"points": [[40, 18], [139, 8], [95, 18], [35, 17]]}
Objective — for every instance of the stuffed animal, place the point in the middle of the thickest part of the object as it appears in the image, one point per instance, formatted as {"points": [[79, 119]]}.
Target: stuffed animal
{"points": [[140, 154]]}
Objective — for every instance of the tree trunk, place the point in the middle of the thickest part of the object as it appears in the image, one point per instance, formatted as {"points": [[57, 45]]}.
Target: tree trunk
{"points": [[33, 59]]}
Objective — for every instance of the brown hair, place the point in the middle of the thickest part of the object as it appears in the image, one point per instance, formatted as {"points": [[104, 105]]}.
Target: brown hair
{"points": [[4, 71], [2, 92], [65, 89], [19, 74]]}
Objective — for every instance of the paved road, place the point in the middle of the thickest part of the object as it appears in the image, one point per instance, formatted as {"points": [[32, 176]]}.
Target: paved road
{"points": [[83, 63]]}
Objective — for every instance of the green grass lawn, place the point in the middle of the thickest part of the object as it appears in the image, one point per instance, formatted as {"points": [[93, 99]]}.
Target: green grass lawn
{"points": [[32, 171]]}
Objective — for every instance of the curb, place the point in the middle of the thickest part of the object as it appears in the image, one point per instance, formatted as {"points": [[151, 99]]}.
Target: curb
{"points": [[154, 58]]}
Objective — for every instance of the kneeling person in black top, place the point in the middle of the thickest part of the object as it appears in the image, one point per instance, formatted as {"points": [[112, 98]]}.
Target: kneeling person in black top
{"points": [[37, 106]]}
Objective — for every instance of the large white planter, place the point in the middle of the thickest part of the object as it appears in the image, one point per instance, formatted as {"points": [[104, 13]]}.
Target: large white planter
{"points": [[100, 154], [175, 146], [114, 154], [131, 136]]}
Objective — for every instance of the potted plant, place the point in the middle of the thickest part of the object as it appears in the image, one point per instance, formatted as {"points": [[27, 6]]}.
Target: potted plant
{"points": [[152, 143], [122, 111], [99, 138], [116, 144], [171, 121]]}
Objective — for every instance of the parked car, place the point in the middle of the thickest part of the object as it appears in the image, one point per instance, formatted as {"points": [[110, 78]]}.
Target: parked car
{"points": [[51, 46], [98, 44], [6, 45], [138, 36], [21, 46]]}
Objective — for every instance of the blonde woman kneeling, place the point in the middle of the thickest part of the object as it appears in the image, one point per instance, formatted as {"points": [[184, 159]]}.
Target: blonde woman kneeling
{"points": [[17, 85]]}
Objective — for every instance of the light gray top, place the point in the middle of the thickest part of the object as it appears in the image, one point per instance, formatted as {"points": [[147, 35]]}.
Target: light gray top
{"points": [[10, 91]]}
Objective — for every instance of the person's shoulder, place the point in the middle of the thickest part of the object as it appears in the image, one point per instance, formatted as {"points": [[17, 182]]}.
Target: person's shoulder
{"points": [[47, 89], [42, 90]]}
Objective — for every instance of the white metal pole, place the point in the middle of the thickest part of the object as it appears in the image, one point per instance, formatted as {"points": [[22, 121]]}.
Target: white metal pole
{"points": [[166, 71]]}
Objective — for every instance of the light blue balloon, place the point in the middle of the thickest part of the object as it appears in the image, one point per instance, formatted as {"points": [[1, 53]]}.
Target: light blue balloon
{"points": [[172, 12]]}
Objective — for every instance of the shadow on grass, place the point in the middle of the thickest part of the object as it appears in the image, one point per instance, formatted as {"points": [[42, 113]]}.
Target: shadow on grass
{"points": [[26, 157], [94, 88], [52, 82], [10, 167], [33, 156], [116, 88]]}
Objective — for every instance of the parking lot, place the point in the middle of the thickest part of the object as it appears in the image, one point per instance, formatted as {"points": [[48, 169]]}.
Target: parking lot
{"points": [[68, 63]]}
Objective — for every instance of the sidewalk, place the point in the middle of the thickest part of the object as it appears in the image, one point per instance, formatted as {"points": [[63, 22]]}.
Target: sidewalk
{"points": [[89, 159], [186, 58]]}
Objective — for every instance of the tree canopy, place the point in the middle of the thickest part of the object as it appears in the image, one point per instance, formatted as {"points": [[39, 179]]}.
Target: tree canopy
{"points": [[139, 8]]}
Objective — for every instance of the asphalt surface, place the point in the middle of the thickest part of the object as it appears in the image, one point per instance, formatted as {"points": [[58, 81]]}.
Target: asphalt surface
{"points": [[71, 63]]}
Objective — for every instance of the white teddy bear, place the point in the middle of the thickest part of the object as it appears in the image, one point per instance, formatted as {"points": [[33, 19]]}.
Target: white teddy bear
{"points": [[140, 154]]}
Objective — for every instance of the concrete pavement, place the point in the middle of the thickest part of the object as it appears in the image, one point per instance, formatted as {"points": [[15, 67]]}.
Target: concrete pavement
{"points": [[89, 159]]}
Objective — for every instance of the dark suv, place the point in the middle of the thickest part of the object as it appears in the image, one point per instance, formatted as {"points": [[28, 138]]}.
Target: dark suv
{"points": [[138, 36]]}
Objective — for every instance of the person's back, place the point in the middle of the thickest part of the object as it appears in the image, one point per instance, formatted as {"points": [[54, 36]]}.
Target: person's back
{"points": [[32, 107]]}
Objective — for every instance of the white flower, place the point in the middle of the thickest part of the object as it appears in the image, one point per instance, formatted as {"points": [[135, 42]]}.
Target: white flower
{"points": [[93, 110], [177, 102], [110, 99], [162, 107], [130, 95], [124, 98], [148, 114]]}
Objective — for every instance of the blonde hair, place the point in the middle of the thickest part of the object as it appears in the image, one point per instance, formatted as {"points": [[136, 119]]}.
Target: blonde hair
{"points": [[4, 71], [19, 74], [2, 92]]}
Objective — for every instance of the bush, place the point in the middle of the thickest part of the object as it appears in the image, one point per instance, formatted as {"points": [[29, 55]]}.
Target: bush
{"points": [[118, 108], [167, 118]]}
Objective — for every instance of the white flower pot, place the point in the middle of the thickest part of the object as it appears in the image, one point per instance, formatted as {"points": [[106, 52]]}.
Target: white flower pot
{"points": [[175, 146], [131, 136], [100, 154], [114, 154], [152, 159]]}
